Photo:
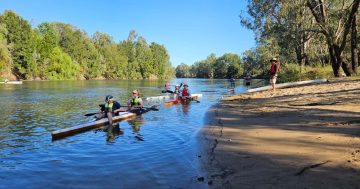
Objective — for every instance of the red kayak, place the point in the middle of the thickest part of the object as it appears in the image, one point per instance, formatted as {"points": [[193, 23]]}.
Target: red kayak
{"points": [[180, 100]]}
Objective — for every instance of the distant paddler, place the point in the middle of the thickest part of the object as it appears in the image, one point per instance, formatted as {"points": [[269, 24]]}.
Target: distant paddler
{"points": [[232, 82], [247, 79], [135, 103]]}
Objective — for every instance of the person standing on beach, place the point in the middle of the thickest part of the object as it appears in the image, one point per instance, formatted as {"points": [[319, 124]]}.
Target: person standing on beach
{"points": [[274, 70]]}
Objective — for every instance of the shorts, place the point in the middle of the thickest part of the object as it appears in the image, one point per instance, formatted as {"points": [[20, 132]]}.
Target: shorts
{"points": [[273, 79]]}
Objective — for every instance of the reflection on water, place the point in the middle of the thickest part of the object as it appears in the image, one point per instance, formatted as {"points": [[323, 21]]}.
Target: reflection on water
{"points": [[113, 132], [156, 150]]}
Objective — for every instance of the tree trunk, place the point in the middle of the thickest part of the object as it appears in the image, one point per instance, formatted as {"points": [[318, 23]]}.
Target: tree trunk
{"points": [[354, 48], [334, 61], [335, 48]]}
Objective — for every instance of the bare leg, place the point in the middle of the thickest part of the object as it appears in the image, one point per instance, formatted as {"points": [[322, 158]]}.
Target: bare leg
{"points": [[110, 117], [273, 86]]}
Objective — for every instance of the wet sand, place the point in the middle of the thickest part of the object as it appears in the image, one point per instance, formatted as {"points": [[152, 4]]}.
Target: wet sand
{"points": [[302, 137]]}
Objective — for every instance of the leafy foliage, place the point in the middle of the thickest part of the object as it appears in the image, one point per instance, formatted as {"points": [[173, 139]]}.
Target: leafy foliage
{"points": [[309, 33], [226, 66], [57, 51]]}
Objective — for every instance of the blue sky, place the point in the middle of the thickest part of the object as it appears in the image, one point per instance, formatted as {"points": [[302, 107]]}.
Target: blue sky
{"points": [[189, 29]]}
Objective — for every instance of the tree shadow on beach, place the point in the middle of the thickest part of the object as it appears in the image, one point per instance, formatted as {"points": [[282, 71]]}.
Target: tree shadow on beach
{"points": [[308, 142]]}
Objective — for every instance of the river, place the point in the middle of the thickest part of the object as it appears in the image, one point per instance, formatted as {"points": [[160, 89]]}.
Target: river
{"points": [[156, 150]]}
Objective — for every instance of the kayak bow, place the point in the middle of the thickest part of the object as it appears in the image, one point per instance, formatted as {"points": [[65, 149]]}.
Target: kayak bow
{"points": [[90, 125]]}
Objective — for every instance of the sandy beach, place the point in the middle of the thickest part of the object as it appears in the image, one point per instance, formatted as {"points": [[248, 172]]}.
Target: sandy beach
{"points": [[302, 137]]}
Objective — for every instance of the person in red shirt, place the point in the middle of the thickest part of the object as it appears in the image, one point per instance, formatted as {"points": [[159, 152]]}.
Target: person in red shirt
{"points": [[274, 70], [185, 93]]}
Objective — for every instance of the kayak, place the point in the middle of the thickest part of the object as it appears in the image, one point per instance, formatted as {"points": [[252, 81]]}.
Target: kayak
{"points": [[98, 123], [166, 97], [193, 97], [90, 125], [287, 85], [11, 82], [163, 97]]}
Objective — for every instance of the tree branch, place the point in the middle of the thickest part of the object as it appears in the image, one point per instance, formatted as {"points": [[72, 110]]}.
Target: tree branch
{"points": [[347, 26]]}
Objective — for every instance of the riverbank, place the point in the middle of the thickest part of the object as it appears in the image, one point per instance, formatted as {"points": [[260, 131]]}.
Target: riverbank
{"points": [[303, 137]]}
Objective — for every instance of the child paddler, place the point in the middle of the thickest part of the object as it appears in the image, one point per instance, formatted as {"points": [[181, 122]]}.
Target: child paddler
{"points": [[135, 103]]}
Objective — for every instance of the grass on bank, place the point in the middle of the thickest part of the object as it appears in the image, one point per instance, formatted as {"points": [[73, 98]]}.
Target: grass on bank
{"points": [[293, 72]]}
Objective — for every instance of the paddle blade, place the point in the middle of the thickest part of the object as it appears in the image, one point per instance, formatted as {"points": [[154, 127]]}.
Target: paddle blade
{"points": [[154, 108], [90, 114]]}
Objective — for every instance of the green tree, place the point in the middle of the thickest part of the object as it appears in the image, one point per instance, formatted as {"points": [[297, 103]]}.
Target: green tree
{"points": [[5, 55], [227, 66], [183, 71], [60, 66], [112, 59], [144, 58], [81, 49], [161, 61], [334, 20], [21, 37]]}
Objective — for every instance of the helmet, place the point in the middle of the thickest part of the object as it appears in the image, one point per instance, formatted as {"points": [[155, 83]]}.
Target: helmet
{"points": [[108, 97]]}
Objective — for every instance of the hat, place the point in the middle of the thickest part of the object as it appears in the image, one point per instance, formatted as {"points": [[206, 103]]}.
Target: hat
{"points": [[273, 59], [108, 98], [135, 91], [186, 85]]}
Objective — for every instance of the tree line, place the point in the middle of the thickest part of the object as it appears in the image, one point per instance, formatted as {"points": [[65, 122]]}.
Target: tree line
{"points": [[311, 38], [58, 51], [305, 33], [226, 66]]}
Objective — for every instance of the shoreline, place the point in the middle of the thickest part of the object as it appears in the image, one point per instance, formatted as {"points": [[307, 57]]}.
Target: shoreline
{"points": [[301, 137]]}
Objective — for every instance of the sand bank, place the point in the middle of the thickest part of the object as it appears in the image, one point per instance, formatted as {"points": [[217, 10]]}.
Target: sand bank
{"points": [[303, 137]]}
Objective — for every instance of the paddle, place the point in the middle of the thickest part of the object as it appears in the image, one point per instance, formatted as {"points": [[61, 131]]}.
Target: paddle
{"points": [[153, 108], [91, 114], [196, 100], [193, 99]]}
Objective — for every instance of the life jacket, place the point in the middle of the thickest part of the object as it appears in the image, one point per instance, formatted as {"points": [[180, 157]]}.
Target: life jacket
{"points": [[108, 107], [185, 92], [135, 101], [275, 68], [176, 90]]}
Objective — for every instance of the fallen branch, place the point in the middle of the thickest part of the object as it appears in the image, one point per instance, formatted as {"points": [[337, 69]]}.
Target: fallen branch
{"points": [[310, 167]]}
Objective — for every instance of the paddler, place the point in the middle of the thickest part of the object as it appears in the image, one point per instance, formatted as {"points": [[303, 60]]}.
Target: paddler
{"points": [[185, 93], [167, 88], [135, 102], [176, 91], [110, 108]]}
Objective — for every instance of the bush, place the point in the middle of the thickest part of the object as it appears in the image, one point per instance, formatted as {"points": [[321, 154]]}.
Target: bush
{"points": [[293, 72]]}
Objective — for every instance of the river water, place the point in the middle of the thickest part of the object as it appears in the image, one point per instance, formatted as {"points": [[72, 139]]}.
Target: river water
{"points": [[156, 150]]}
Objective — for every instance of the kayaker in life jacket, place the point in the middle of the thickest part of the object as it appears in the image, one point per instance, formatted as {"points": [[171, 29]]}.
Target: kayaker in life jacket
{"points": [[274, 70], [185, 93], [110, 108], [135, 102], [176, 91]]}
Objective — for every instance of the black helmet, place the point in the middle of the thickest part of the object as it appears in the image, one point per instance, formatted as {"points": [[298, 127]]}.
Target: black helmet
{"points": [[108, 97]]}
